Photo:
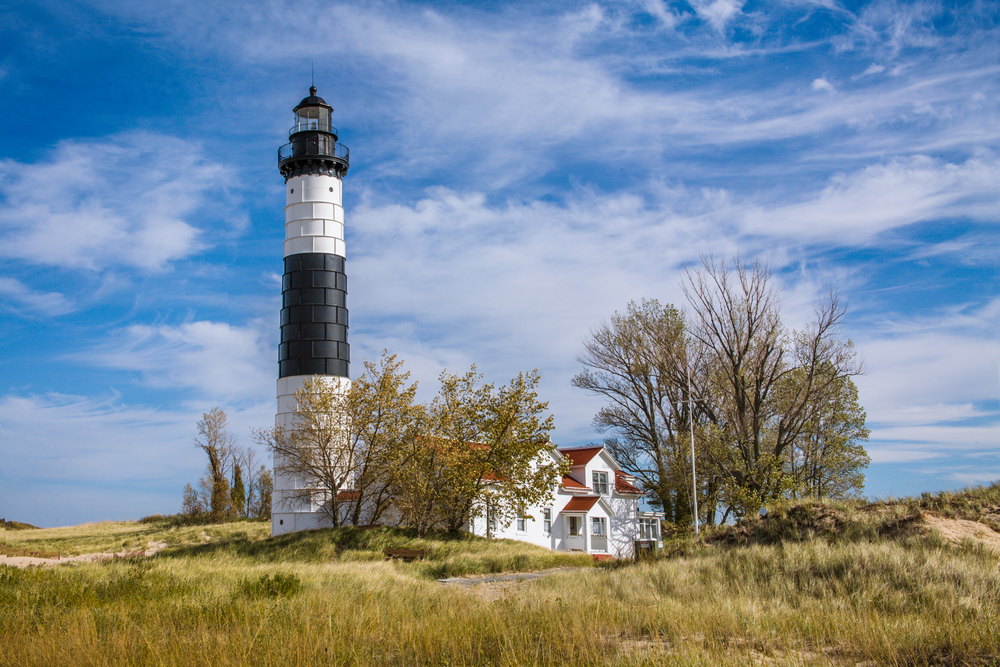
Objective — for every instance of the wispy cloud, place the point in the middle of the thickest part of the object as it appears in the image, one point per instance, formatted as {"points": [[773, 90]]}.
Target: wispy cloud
{"points": [[718, 13], [128, 200], [77, 457], [217, 360], [858, 206], [51, 304]]}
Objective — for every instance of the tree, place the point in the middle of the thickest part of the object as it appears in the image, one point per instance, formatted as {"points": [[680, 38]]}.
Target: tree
{"points": [[768, 404], [767, 388], [483, 452], [191, 504], [260, 505], [384, 418], [828, 460], [639, 363], [238, 496], [345, 442], [218, 445], [315, 449]]}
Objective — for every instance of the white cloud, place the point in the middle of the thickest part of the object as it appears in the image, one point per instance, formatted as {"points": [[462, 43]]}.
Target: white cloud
{"points": [[662, 12], [126, 200], [717, 12], [856, 207], [221, 362], [904, 454], [43, 303], [823, 84]]}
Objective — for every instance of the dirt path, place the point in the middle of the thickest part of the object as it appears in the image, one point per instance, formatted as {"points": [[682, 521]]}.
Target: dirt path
{"points": [[495, 586], [22, 561]]}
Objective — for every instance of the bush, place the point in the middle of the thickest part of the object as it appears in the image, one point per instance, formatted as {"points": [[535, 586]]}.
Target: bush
{"points": [[279, 584]]}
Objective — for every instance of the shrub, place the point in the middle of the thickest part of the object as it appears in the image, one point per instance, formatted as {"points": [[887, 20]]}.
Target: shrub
{"points": [[275, 585]]}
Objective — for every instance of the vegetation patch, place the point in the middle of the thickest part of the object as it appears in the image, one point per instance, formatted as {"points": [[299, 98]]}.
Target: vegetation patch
{"points": [[279, 584], [16, 525]]}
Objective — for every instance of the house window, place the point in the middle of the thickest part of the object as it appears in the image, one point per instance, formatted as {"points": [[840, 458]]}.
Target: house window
{"points": [[547, 521], [649, 529], [601, 483], [599, 526], [522, 525], [575, 526]]}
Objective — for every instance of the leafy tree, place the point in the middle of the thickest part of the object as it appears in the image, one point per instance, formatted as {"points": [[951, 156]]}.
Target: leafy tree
{"points": [[191, 504], [828, 460], [384, 418], [238, 495], [484, 449], [260, 505]]}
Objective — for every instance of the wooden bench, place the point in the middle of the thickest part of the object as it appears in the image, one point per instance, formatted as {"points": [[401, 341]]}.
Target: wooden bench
{"points": [[406, 555]]}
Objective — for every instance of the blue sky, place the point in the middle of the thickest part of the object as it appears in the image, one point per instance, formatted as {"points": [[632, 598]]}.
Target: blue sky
{"points": [[519, 172]]}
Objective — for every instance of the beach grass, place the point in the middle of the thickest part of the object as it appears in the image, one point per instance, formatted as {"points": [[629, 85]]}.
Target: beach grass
{"points": [[823, 584]]}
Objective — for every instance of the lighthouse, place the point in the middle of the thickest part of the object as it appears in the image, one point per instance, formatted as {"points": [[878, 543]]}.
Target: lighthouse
{"points": [[314, 284]]}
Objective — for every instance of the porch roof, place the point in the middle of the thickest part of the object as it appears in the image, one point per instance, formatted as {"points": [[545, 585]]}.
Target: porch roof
{"points": [[580, 504]]}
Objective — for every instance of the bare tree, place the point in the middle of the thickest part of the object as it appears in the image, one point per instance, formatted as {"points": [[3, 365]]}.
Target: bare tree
{"points": [[218, 445], [347, 443], [767, 385], [315, 450], [639, 362]]}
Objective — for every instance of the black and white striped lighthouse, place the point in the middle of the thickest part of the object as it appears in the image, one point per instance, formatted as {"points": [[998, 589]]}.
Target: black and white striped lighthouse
{"points": [[314, 285]]}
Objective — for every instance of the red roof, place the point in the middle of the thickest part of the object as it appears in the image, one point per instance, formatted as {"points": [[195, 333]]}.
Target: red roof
{"points": [[580, 456], [625, 487], [570, 483], [348, 494], [581, 504]]}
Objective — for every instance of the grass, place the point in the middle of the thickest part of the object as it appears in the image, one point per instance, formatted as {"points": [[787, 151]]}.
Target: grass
{"points": [[118, 536], [813, 584]]}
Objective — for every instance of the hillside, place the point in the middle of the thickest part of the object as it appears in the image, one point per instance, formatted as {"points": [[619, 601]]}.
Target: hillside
{"points": [[812, 583], [968, 518]]}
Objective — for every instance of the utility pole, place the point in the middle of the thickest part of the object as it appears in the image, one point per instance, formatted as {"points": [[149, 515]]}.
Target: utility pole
{"points": [[694, 479]]}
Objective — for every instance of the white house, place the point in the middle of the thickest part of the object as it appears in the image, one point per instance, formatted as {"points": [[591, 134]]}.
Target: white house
{"points": [[595, 510]]}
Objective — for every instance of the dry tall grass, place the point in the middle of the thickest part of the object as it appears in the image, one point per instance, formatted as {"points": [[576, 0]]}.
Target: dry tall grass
{"points": [[871, 592]]}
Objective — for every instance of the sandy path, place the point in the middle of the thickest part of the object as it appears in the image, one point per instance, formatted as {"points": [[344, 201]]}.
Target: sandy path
{"points": [[957, 531], [22, 561]]}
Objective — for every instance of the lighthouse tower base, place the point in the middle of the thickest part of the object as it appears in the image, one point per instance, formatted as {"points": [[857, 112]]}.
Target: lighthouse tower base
{"points": [[290, 512]]}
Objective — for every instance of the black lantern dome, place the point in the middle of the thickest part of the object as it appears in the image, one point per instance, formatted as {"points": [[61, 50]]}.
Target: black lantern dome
{"points": [[313, 147]]}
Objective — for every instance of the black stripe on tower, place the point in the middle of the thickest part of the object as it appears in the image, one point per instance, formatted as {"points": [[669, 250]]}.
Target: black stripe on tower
{"points": [[314, 317]]}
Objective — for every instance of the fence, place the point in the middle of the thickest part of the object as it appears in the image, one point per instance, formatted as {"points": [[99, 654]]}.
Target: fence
{"points": [[15, 552]]}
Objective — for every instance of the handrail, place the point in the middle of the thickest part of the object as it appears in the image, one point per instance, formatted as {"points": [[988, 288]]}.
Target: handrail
{"points": [[318, 146]]}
